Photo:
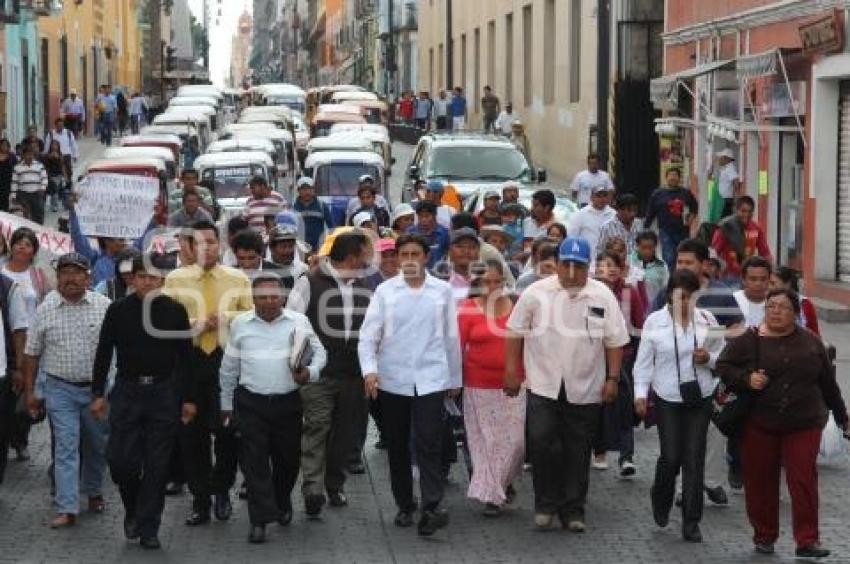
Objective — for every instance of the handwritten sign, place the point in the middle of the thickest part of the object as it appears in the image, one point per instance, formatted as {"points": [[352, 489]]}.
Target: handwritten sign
{"points": [[116, 205], [51, 243]]}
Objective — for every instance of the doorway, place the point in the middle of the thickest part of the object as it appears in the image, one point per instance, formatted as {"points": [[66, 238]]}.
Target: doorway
{"points": [[789, 201]]}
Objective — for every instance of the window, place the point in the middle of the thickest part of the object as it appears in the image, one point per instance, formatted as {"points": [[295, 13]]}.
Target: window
{"points": [[477, 67], [509, 57], [575, 50], [527, 55], [549, 53], [491, 53]]}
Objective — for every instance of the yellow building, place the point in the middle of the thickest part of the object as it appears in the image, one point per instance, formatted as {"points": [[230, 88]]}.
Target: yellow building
{"points": [[88, 44]]}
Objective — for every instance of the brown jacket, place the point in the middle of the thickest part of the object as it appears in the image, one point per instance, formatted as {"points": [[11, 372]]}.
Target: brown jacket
{"points": [[801, 386]]}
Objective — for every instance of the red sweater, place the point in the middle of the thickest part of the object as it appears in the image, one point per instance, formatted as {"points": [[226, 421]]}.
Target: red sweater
{"points": [[482, 343]]}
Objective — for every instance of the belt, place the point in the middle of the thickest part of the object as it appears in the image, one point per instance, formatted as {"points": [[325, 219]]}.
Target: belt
{"points": [[144, 379], [71, 382]]}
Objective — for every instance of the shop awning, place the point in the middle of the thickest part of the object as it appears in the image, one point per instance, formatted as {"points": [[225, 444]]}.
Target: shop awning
{"points": [[663, 89], [757, 65]]}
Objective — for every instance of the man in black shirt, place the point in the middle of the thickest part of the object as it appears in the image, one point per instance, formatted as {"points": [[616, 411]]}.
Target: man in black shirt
{"points": [[151, 335]]}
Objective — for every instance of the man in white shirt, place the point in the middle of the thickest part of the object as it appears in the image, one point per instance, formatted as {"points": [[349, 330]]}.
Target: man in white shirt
{"points": [[74, 112], [586, 180], [728, 182], [441, 111], [755, 276], [506, 120], [410, 356], [66, 140], [568, 332], [434, 191], [588, 221], [260, 381]]}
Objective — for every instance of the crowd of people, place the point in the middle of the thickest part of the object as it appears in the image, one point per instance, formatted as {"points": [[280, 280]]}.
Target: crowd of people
{"points": [[268, 348]]}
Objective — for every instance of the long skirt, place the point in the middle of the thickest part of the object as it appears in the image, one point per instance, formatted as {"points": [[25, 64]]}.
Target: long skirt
{"points": [[495, 432]]}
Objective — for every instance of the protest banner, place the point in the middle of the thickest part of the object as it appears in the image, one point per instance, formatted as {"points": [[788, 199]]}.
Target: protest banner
{"points": [[116, 205], [51, 243]]}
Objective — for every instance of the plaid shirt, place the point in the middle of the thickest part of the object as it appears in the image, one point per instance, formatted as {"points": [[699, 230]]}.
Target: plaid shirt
{"points": [[614, 229], [65, 335]]}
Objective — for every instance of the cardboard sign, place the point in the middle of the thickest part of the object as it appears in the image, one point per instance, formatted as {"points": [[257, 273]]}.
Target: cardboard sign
{"points": [[116, 205], [51, 243]]}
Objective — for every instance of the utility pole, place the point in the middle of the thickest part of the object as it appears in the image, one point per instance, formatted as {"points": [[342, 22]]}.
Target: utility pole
{"points": [[390, 62], [162, 45], [207, 35], [450, 68]]}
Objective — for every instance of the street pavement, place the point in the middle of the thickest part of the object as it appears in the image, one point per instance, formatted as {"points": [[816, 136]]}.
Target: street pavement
{"points": [[620, 527]]}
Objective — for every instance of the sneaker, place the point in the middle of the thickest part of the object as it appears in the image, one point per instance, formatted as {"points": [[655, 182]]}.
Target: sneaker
{"points": [[717, 495], [813, 551], [543, 521], [576, 525], [403, 519], [600, 462], [627, 469]]}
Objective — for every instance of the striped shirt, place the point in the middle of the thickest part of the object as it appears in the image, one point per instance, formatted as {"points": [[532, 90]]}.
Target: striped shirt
{"points": [[29, 177], [256, 210]]}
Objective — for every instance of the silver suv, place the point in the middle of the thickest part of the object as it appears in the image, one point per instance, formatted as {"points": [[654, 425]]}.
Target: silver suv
{"points": [[468, 161]]}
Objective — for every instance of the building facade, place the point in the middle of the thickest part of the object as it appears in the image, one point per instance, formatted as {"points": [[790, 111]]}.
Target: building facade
{"points": [[539, 55], [21, 74], [769, 80]]}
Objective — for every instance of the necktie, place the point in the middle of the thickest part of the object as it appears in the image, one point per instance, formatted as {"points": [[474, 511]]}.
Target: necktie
{"points": [[209, 339]]}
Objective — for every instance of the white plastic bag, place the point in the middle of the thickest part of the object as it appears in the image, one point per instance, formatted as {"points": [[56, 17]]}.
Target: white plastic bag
{"points": [[833, 445]]}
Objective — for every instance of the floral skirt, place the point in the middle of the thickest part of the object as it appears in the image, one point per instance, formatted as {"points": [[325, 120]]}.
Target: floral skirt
{"points": [[495, 433]]}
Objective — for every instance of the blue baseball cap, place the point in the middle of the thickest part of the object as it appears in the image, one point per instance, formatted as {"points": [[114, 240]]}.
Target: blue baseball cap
{"points": [[575, 249], [435, 186]]}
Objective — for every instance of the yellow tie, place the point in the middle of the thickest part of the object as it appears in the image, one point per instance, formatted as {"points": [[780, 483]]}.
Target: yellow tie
{"points": [[209, 339]]}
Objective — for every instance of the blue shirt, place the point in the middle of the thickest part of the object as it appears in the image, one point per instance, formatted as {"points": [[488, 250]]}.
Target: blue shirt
{"points": [[438, 240], [410, 338], [458, 106], [103, 265], [316, 217], [110, 104], [257, 355]]}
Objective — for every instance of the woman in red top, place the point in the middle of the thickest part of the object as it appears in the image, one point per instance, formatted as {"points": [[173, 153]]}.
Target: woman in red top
{"points": [[786, 278], [495, 423]]}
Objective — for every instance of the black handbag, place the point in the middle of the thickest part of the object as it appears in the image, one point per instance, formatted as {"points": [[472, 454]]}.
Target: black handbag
{"points": [[732, 408], [689, 390]]}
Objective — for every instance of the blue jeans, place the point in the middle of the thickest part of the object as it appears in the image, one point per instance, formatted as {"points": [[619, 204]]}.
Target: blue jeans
{"points": [[669, 243], [106, 123], [68, 409]]}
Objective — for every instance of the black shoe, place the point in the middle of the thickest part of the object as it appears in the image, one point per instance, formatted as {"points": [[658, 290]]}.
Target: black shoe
{"points": [[813, 551], [173, 488], [736, 482], [764, 548], [131, 531], [381, 445], [337, 498], [243, 491], [356, 467], [691, 533], [257, 535], [285, 517], [403, 519], [198, 518], [717, 495], [313, 504], [222, 507], [150, 543], [660, 515], [431, 521]]}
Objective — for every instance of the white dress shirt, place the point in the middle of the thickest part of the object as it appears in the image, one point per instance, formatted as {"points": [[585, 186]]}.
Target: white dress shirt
{"points": [[67, 142], [587, 222], [656, 359], [258, 351], [565, 338], [585, 181], [410, 338]]}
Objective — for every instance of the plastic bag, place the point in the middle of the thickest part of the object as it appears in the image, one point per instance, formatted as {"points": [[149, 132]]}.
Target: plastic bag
{"points": [[833, 445]]}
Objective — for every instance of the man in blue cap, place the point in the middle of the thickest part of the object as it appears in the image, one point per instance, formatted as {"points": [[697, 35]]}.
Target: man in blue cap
{"points": [[568, 331], [434, 192]]}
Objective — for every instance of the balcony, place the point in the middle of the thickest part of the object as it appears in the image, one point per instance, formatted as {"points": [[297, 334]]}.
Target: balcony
{"points": [[43, 7], [10, 12]]}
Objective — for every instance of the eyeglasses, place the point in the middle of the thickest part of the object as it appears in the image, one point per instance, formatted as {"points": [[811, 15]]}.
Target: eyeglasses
{"points": [[778, 307]]}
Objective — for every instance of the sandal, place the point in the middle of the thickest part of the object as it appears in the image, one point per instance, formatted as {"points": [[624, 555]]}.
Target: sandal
{"points": [[63, 520], [96, 504]]}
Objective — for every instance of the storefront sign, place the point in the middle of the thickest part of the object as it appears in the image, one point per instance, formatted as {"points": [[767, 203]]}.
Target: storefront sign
{"points": [[824, 35]]}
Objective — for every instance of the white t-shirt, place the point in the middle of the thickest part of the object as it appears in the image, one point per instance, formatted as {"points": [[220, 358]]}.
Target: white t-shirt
{"points": [[585, 181], [28, 291], [753, 312], [532, 230], [587, 222], [726, 180]]}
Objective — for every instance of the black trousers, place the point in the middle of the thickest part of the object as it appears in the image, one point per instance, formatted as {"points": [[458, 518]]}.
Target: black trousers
{"points": [[269, 450], [196, 438], [374, 410], [423, 415], [7, 417], [559, 437], [682, 433], [143, 426]]}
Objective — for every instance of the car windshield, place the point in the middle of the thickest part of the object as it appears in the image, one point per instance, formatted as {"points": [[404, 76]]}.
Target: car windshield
{"points": [[340, 179], [232, 181], [478, 163]]}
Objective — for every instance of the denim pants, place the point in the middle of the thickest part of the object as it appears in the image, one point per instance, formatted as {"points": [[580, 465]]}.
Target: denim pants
{"points": [[68, 409], [106, 124], [669, 243]]}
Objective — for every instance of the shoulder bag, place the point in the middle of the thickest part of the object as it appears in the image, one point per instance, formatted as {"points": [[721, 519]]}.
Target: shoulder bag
{"points": [[732, 408]]}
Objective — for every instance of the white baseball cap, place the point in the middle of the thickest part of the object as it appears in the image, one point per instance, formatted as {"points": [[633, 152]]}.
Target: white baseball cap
{"points": [[361, 218], [726, 153]]}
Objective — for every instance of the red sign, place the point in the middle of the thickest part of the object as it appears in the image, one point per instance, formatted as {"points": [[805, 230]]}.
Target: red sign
{"points": [[824, 35]]}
